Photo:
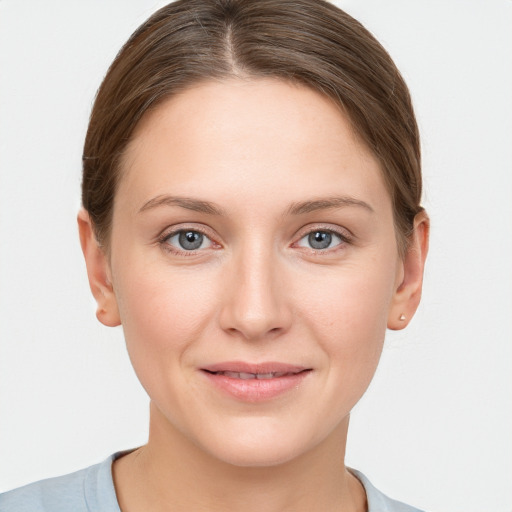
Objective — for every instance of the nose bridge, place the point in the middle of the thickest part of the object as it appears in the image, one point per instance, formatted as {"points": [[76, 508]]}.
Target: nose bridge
{"points": [[255, 303]]}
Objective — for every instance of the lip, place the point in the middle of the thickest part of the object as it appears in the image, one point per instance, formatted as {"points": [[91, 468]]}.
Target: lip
{"points": [[255, 382]]}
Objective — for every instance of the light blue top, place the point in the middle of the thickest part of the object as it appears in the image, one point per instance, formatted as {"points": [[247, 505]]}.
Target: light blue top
{"points": [[92, 490]]}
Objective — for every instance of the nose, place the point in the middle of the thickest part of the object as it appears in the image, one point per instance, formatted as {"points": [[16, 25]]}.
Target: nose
{"points": [[255, 304]]}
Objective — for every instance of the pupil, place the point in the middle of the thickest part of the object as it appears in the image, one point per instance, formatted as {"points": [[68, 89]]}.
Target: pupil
{"points": [[320, 240], [190, 240]]}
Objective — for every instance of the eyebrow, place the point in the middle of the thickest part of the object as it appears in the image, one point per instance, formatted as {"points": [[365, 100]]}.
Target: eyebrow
{"points": [[326, 204], [188, 203], [298, 208]]}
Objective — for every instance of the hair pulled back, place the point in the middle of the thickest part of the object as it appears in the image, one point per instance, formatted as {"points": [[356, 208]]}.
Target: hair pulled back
{"points": [[310, 42]]}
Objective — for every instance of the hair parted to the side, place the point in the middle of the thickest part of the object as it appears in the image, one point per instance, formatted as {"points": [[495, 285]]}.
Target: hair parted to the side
{"points": [[310, 42]]}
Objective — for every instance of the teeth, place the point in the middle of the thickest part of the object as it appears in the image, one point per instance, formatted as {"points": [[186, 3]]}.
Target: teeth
{"points": [[232, 375], [263, 376], [247, 376]]}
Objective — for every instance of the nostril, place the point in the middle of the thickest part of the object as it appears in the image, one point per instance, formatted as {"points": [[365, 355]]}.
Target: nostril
{"points": [[254, 311]]}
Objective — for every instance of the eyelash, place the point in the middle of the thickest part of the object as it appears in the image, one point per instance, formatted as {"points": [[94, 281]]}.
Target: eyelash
{"points": [[344, 237], [163, 240]]}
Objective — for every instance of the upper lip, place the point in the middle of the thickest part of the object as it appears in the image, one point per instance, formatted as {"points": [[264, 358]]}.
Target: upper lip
{"points": [[256, 368]]}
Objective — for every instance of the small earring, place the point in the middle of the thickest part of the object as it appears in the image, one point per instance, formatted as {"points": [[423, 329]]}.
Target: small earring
{"points": [[402, 317]]}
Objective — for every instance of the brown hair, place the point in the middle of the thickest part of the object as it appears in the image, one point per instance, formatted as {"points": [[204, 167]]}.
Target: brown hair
{"points": [[311, 42]]}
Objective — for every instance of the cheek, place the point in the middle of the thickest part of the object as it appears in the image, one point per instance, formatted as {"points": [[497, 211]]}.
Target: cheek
{"points": [[162, 313], [349, 318], [351, 301]]}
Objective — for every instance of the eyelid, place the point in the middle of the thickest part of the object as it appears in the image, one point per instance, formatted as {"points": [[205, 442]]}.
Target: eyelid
{"points": [[343, 233], [171, 231]]}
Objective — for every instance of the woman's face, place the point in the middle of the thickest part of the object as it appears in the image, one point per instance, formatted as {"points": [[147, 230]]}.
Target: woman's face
{"points": [[254, 267]]}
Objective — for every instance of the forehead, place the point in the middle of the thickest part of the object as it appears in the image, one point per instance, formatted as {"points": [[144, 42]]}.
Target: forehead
{"points": [[248, 133]]}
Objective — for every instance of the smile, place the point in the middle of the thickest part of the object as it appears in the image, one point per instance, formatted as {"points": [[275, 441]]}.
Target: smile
{"points": [[260, 376], [255, 382]]}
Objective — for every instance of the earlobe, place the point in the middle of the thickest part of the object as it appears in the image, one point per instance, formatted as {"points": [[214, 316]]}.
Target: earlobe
{"points": [[98, 272], [408, 292]]}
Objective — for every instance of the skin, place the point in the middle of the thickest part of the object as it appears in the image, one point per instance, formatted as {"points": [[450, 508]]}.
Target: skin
{"points": [[263, 153]]}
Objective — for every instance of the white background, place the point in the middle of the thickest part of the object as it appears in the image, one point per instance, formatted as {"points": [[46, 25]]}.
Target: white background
{"points": [[435, 427]]}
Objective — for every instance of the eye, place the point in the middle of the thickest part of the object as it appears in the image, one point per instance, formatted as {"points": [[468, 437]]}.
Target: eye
{"points": [[188, 240], [320, 240]]}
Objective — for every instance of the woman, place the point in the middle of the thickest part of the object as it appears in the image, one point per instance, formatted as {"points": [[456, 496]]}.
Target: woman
{"points": [[251, 217]]}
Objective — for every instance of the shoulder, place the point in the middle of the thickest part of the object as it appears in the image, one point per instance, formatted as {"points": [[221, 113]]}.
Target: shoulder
{"points": [[54, 494], [86, 490], [378, 501]]}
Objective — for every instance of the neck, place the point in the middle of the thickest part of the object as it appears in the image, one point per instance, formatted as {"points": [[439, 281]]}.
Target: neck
{"points": [[172, 473]]}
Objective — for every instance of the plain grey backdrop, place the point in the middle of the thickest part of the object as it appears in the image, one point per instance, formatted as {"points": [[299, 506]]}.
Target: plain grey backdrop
{"points": [[435, 427]]}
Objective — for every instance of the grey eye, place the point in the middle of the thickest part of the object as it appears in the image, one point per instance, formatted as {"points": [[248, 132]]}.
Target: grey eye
{"points": [[320, 240], [188, 240]]}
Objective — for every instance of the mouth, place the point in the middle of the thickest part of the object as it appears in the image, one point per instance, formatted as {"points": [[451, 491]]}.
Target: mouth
{"points": [[255, 382], [259, 376]]}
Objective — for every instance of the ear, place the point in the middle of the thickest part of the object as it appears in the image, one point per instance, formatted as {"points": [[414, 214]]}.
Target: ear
{"points": [[408, 292], [98, 271]]}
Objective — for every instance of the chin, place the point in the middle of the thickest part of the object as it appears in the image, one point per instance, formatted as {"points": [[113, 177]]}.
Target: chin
{"points": [[257, 456], [259, 446]]}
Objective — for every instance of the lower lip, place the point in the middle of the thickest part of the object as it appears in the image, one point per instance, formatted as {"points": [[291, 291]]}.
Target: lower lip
{"points": [[256, 390]]}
